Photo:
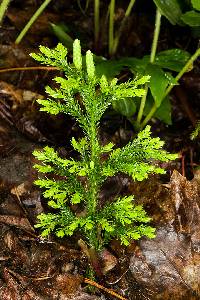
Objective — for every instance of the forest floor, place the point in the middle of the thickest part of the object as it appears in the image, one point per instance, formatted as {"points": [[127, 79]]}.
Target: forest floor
{"points": [[167, 267]]}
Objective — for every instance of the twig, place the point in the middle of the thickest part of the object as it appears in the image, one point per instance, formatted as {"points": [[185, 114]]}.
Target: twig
{"points": [[28, 69], [109, 291]]}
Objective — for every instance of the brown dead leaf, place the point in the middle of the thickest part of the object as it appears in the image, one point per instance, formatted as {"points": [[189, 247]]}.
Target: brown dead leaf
{"points": [[109, 260], [16, 107], [19, 222], [12, 291], [68, 283], [7, 89], [186, 199], [19, 190], [16, 249]]}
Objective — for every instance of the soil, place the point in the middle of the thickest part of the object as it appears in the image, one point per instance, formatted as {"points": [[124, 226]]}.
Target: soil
{"points": [[167, 267]]}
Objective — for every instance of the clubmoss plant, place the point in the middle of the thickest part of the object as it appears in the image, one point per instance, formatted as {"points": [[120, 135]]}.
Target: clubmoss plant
{"points": [[86, 97]]}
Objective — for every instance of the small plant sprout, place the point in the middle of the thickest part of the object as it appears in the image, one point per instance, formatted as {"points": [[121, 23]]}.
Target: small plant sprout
{"points": [[75, 196]]}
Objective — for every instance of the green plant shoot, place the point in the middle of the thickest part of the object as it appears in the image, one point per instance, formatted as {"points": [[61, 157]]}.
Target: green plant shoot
{"points": [[85, 96]]}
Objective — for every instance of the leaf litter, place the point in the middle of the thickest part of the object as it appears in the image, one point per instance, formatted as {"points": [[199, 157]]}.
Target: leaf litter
{"points": [[167, 267]]}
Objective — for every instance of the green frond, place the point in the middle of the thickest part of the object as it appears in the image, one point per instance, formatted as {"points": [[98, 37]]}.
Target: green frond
{"points": [[52, 57], [51, 107], [69, 105], [125, 221], [70, 85], [81, 146], [107, 225], [142, 80], [52, 163], [54, 93], [47, 222], [125, 212], [44, 168], [57, 223], [126, 235], [129, 88], [107, 148], [61, 191], [76, 198], [136, 158], [49, 155]]}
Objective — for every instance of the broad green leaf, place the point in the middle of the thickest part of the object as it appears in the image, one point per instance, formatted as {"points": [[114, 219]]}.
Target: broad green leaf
{"points": [[60, 33], [136, 65], [196, 4], [109, 68], [163, 113], [191, 18], [170, 9], [112, 68], [158, 83], [126, 107], [173, 59]]}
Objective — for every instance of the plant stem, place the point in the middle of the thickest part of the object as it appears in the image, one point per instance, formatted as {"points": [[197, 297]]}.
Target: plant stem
{"points": [[168, 90], [142, 104], [118, 35], [149, 116], [93, 182], [184, 70], [86, 6], [3, 6], [129, 8], [31, 21], [155, 36], [111, 27], [152, 59], [96, 22]]}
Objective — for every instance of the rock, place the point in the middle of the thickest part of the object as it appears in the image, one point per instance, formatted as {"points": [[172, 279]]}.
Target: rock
{"points": [[168, 267]]}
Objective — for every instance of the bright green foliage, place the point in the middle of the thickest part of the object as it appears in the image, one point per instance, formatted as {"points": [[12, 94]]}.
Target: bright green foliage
{"points": [[85, 96]]}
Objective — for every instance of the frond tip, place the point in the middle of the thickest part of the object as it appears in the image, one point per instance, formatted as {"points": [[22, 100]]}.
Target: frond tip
{"points": [[77, 57]]}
